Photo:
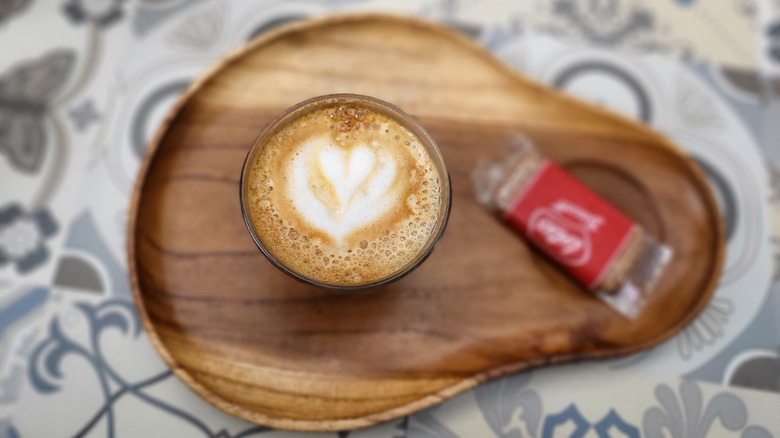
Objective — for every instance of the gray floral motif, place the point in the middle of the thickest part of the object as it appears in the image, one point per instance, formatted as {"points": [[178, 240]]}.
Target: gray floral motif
{"points": [[149, 14], [510, 408], [685, 416], [11, 7], [696, 108], [101, 13], [706, 329], [604, 22], [23, 236], [201, 29], [24, 98]]}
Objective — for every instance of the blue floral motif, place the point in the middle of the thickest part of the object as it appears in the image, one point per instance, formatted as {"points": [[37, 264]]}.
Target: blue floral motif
{"points": [[571, 413], [23, 236], [555, 422], [45, 370], [613, 420]]}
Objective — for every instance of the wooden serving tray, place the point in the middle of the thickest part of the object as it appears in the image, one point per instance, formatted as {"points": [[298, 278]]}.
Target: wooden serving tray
{"points": [[264, 347]]}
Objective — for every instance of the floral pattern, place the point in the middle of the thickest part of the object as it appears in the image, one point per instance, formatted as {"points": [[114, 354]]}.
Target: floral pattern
{"points": [[23, 237], [45, 370], [101, 13], [686, 416], [706, 329], [571, 416], [603, 22], [44, 355], [510, 408], [201, 29], [25, 94]]}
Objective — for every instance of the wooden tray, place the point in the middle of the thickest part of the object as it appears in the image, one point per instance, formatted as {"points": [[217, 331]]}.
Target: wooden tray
{"points": [[266, 348]]}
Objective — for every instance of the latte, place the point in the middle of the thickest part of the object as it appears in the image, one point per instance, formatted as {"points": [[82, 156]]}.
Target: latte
{"points": [[343, 193]]}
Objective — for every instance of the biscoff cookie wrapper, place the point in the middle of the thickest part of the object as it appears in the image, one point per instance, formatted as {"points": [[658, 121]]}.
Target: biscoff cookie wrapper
{"points": [[591, 240]]}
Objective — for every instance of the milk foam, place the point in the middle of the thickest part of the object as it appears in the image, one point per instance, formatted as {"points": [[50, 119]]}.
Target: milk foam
{"points": [[344, 195], [338, 189]]}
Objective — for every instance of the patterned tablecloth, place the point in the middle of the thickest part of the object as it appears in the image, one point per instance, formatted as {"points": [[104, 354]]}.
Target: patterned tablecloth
{"points": [[84, 84]]}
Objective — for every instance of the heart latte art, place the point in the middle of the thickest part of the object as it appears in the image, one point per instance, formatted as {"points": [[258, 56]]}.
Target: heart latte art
{"points": [[338, 189], [343, 195]]}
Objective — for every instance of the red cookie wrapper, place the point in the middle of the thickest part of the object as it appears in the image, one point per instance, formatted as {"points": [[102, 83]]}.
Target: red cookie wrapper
{"points": [[583, 234]]}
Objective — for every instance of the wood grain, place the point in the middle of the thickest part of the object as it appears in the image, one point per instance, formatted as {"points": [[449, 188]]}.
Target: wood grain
{"points": [[266, 348]]}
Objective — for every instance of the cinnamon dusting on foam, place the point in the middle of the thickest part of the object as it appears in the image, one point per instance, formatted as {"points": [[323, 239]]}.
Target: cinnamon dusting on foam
{"points": [[343, 195]]}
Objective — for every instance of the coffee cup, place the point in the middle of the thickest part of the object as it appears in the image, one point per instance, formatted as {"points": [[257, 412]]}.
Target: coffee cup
{"points": [[345, 191]]}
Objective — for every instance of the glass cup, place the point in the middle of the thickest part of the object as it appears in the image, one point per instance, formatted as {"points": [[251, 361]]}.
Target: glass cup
{"points": [[303, 108]]}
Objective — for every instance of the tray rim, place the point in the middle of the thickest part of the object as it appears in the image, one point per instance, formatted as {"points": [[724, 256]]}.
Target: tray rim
{"points": [[341, 424]]}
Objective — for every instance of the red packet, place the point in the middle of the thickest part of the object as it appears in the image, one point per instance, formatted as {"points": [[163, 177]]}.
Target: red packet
{"points": [[583, 234]]}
